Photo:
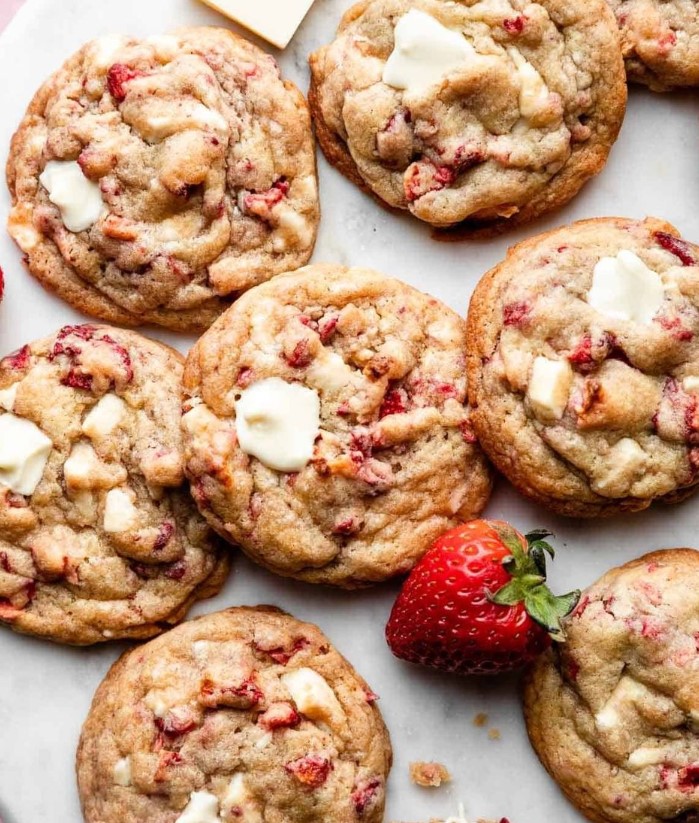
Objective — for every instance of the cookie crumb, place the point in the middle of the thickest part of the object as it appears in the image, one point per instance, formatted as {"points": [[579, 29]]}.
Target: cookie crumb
{"points": [[494, 734], [430, 775], [480, 720]]}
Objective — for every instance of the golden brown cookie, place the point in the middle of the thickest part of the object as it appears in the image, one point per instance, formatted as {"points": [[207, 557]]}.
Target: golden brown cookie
{"points": [[660, 40], [244, 715], [472, 112], [99, 538], [326, 426], [612, 712], [584, 366], [155, 179]]}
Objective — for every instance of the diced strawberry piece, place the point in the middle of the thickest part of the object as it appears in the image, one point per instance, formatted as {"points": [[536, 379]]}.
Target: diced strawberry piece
{"points": [[261, 203], [17, 361], [165, 532], [280, 654], [676, 246], [676, 329], [365, 795], [466, 429], [242, 695], [348, 526], [176, 722], [5, 563], [244, 377], [688, 777], [395, 402], [300, 356], [117, 77], [327, 326], [167, 760], [423, 177], [176, 571], [68, 344], [371, 696], [515, 314], [311, 771], [514, 25], [2, 283], [279, 716]]}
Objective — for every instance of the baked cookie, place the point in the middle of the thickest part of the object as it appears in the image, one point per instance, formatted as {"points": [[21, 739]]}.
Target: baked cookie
{"points": [[612, 713], [98, 536], [489, 113], [326, 426], [153, 180], [244, 715], [660, 41], [583, 366]]}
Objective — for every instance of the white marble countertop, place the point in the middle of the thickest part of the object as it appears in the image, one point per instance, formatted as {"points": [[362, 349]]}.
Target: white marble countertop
{"points": [[45, 690]]}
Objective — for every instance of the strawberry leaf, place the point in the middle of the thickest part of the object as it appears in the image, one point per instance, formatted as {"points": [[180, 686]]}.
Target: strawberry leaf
{"points": [[548, 610]]}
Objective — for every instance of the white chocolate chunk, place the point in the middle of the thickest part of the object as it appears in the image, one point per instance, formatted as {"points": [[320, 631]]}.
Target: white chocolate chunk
{"points": [[549, 387], [274, 21], [78, 199], [533, 92], [8, 397], [312, 695], [202, 808], [328, 372], [165, 45], [103, 50], [623, 466], [238, 797], [608, 718], [155, 702], [425, 52], [24, 451], [689, 384], [278, 422], [122, 772], [120, 514], [627, 692], [624, 288], [646, 757], [104, 417], [206, 117]]}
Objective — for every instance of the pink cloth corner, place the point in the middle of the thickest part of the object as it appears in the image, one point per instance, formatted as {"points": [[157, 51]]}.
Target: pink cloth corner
{"points": [[7, 10]]}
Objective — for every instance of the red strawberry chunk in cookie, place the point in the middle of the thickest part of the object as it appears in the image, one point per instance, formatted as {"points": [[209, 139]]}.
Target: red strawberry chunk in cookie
{"points": [[104, 365], [279, 716], [365, 795], [675, 246], [423, 177], [261, 203], [242, 695], [117, 77], [312, 771]]}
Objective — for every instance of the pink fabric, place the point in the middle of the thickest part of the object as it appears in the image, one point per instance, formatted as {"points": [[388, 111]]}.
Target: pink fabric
{"points": [[7, 10]]}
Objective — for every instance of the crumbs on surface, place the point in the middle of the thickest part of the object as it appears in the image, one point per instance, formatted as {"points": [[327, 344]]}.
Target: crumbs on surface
{"points": [[429, 775], [494, 734], [480, 720]]}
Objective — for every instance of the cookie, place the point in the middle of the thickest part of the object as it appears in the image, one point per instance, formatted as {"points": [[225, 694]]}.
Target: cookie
{"points": [[99, 538], [244, 715], [612, 711], [660, 41], [326, 425], [475, 113], [584, 366], [154, 180]]}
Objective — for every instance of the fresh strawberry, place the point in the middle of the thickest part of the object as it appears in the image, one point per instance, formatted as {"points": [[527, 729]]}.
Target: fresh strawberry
{"points": [[477, 602]]}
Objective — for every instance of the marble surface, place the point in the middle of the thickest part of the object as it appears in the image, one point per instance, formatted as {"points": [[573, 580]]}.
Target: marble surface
{"points": [[45, 690]]}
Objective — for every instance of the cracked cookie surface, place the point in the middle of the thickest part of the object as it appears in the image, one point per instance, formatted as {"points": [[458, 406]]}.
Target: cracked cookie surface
{"points": [[393, 461], [526, 112], [190, 164], [247, 714], [108, 543], [584, 366], [612, 712], [660, 41]]}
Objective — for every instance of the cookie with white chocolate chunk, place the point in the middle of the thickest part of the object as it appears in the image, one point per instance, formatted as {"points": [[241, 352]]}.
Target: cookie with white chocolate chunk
{"points": [[155, 179], [612, 712], [475, 112], [244, 715], [326, 426], [99, 538], [584, 366]]}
